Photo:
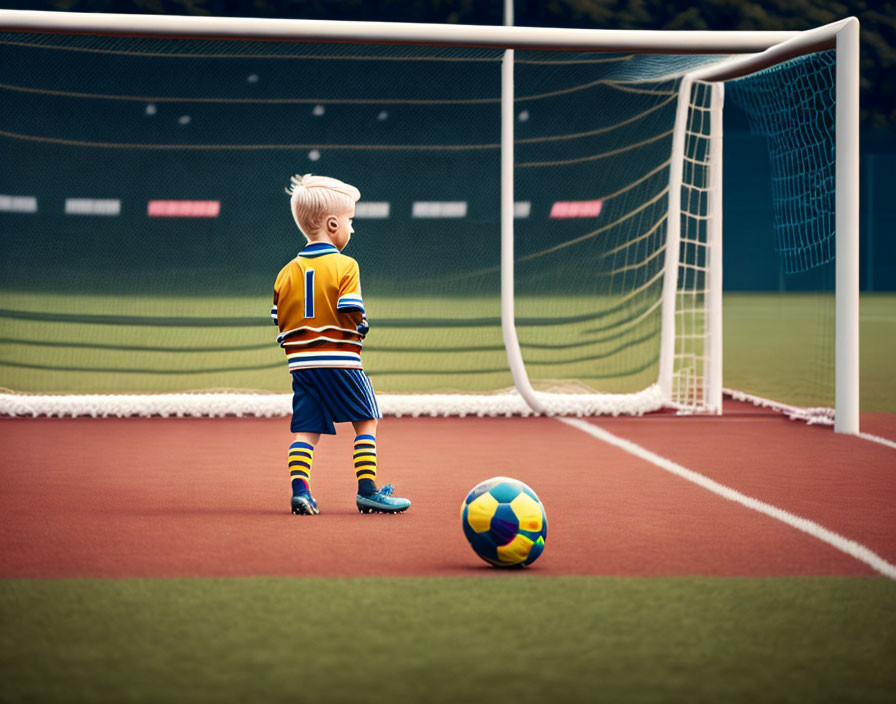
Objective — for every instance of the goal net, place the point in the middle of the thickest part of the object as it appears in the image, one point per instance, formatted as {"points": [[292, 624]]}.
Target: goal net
{"points": [[144, 219], [785, 342]]}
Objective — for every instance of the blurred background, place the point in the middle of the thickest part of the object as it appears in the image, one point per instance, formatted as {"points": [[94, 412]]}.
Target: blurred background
{"points": [[746, 198], [143, 218]]}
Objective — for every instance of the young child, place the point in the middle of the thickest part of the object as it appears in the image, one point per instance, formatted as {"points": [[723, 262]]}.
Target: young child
{"points": [[320, 313]]}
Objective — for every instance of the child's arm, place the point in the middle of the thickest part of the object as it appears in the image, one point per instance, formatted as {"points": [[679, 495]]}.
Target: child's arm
{"points": [[282, 289], [274, 318], [282, 278], [350, 300]]}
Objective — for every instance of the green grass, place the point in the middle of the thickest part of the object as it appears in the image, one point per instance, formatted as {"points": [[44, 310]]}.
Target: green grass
{"points": [[515, 639], [433, 357], [780, 346], [512, 638]]}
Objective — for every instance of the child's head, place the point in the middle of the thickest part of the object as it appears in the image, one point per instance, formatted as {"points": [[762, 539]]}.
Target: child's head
{"points": [[323, 207]]}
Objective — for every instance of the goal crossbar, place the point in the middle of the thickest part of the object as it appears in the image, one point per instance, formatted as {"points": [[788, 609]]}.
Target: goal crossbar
{"points": [[502, 37]]}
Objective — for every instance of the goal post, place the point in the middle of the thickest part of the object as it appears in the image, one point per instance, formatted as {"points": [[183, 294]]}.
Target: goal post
{"points": [[508, 293], [847, 185], [652, 262], [843, 37]]}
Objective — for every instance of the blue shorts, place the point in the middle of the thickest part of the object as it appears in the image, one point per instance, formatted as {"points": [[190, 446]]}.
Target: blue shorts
{"points": [[322, 397]]}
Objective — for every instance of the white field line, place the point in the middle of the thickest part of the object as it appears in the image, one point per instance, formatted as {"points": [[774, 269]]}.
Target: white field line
{"points": [[850, 547], [877, 439]]}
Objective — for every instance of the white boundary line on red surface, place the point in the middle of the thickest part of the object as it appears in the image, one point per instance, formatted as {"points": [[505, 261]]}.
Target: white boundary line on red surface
{"points": [[850, 547], [878, 439]]}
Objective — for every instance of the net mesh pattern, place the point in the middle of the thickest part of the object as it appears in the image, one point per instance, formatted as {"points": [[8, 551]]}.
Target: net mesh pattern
{"points": [[132, 303], [592, 164], [793, 105], [691, 364], [103, 295]]}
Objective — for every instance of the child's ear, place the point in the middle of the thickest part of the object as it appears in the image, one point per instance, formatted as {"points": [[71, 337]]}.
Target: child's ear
{"points": [[332, 223]]}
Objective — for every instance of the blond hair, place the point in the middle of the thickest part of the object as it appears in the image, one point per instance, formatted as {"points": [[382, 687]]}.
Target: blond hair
{"points": [[313, 198]]}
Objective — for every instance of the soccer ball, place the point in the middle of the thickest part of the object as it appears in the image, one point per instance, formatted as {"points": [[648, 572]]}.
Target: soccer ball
{"points": [[504, 522]]}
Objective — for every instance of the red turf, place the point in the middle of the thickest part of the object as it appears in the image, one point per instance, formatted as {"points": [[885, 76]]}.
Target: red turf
{"points": [[209, 497]]}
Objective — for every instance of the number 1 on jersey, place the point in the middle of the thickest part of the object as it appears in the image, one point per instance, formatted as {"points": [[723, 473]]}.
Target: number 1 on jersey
{"points": [[309, 293]]}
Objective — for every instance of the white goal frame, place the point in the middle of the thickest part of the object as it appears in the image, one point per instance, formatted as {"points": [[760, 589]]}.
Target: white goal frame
{"points": [[772, 47], [842, 36]]}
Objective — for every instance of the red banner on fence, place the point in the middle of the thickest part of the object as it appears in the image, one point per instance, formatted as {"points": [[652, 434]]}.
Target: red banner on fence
{"points": [[184, 208], [576, 209]]}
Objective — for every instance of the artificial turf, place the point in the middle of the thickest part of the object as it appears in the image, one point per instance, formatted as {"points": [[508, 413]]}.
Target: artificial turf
{"points": [[513, 637], [775, 345]]}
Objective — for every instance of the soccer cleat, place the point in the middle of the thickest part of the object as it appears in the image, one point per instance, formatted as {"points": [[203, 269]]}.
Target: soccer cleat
{"points": [[304, 505], [382, 501]]}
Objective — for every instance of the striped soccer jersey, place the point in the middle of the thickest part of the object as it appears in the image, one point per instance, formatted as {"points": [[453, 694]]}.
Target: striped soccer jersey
{"points": [[318, 306]]}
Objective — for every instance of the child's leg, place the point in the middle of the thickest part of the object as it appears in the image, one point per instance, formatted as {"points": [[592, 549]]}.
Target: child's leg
{"points": [[370, 499], [301, 456], [365, 455]]}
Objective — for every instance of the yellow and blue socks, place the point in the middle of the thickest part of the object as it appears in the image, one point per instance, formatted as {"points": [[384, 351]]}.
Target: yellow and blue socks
{"points": [[365, 463], [301, 455]]}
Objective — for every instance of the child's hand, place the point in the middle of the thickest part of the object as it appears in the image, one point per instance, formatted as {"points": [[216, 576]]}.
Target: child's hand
{"points": [[363, 327]]}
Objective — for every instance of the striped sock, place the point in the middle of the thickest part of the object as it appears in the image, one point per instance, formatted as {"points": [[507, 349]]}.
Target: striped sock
{"points": [[365, 463], [301, 455]]}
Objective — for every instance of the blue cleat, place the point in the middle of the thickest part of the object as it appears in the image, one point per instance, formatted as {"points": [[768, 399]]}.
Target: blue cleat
{"points": [[304, 505], [382, 501]]}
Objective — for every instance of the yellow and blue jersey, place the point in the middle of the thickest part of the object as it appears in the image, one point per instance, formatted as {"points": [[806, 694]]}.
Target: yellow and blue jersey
{"points": [[318, 307]]}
